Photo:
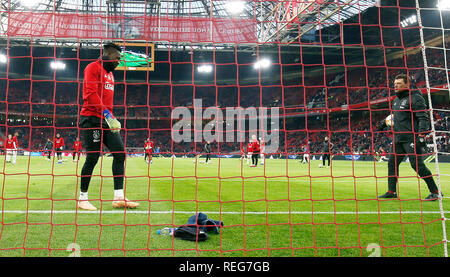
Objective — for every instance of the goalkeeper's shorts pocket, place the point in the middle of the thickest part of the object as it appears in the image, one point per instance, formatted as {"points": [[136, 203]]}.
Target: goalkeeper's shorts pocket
{"points": [[84, 122], [90, 122]]}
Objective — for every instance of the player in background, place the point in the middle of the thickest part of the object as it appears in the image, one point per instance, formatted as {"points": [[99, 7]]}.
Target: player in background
{"points": [[59, 147], [382, 155], [249, 151], [10, 148], [16, 141], [305, 154], [100, 126], [148, 146], [77, 147], [243, 155], [326, 150], [208, 152], [255, 151], [262, 148], [48, 149], [410, 125]]}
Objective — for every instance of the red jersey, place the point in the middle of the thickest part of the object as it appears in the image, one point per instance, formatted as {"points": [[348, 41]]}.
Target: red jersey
{"points": [[255, 146], [148, 147], [98, 90], [58, 143], [10, 144], [77, 146], [249, 147], [15, 140]]}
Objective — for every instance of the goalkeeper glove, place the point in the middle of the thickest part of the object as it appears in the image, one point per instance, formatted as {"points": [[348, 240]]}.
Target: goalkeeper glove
{"points": [[112, 122], [423, 138]]}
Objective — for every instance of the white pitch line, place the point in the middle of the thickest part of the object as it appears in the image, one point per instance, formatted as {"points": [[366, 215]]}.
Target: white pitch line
{"points": [[212, 212], [337, 179]]}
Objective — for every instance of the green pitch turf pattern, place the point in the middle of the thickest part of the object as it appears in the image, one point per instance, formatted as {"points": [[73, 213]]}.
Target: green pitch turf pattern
{"points": [[284, 208]]}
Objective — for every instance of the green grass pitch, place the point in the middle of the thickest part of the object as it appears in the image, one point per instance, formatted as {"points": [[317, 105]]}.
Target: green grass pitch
{"points": [[284, 208]]}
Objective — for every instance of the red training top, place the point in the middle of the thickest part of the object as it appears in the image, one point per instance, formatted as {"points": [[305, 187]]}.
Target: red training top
{"points": [[148, 146], [249, 147], [10, 144], [59, 142], [98, 90], [15, 140], [255, 146], [77, 145]]}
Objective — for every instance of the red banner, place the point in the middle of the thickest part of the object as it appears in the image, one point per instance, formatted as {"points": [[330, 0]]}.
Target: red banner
{"points": [[149, 28], [296, 7]]}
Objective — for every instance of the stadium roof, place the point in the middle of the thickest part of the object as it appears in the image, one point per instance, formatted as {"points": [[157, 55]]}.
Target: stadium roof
{"points": [[272, 16], [201, 8]]}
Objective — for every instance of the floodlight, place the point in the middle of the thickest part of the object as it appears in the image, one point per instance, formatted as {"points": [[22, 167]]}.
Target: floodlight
{"points": [[261, 64], [3, 58], [235, 7], [443, 4], [29, 3], [206, 68], [57, 65]]}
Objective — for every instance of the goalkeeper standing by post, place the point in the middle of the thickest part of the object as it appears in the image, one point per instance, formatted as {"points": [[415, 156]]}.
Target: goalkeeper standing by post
{"points": [[100, 126], [410, 125]]}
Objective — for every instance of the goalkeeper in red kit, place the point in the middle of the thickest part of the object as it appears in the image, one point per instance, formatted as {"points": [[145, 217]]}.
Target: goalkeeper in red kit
{"points": [[99, 126]]}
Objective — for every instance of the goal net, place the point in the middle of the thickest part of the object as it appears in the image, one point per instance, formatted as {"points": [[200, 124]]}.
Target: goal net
{"points": [[267, 117]]}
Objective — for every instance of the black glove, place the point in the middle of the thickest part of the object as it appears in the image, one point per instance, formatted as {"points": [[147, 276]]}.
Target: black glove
{"points": [[424, 139]]}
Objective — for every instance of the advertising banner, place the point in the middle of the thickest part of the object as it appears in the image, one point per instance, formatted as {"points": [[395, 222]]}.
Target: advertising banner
{"points": [[149, 28]]}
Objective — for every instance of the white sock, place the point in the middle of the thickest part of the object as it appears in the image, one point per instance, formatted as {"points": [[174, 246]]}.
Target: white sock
{"points": [[118, 193], [83, 195]]}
